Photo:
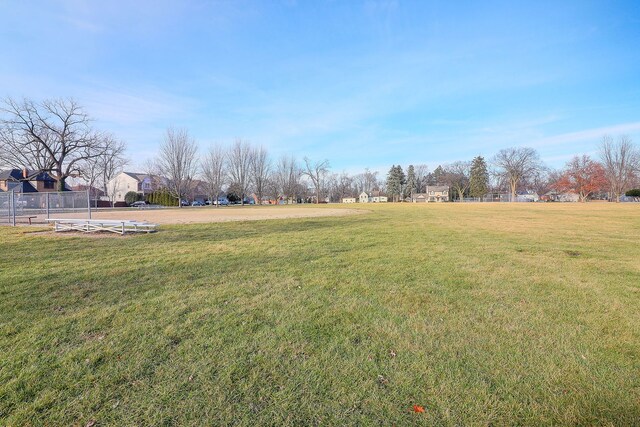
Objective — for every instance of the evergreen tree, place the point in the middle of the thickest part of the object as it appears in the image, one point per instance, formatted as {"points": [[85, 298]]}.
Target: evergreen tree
{"points": [[393, 184], [410, 189], [402, 180], [479, 181], [438, 176]]}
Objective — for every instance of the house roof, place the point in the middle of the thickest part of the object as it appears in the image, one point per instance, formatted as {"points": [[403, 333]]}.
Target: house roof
{"points": [[438, 188], [40, 176], [11, 174], [138, 176], [21, 187], [16, 175], [83, 187]]}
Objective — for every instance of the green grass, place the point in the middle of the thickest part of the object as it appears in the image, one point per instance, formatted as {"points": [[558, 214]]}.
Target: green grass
{"points": [[524, 314]]}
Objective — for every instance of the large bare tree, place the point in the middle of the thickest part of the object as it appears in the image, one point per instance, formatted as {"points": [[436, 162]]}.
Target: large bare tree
{"points": [[55, 136], [342, 186], [458, 176], [260, 170], [177, 162], [421, 171], [316, 172], [98, 171], [214, 172], [287, 174], [516, 164], [621, 162], [239, 165]]}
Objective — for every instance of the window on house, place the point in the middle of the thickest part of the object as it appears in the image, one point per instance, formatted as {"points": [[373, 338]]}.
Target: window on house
{"points": [[48, 184]]}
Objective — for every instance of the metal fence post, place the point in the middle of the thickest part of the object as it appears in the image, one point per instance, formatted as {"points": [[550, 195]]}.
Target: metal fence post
{"points": [[89, 203], [47, 204], [13, 208]]}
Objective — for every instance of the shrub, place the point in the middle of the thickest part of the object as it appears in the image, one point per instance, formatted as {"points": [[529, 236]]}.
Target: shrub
{"points": [[131, 197], [162, 197], [633, 193]]}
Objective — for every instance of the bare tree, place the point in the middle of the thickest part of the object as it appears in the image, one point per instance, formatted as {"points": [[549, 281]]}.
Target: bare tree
{"points": [[458, 176], [422, 172], [260, 170], [541, 181], [112, 162], [316, 172], [621, 162], [177, 162], [214, 172], [272, 187], [287, 174], [239, 165], [55, 136], [98, 171], [343, 186], [515, 164]]}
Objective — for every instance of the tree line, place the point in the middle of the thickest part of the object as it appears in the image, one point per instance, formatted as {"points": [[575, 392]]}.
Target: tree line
{"points": [[58, 136]]}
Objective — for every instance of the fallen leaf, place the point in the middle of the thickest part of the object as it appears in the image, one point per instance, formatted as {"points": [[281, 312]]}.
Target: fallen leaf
{"points": [[90, 423], [419, 409], [382, 380]]}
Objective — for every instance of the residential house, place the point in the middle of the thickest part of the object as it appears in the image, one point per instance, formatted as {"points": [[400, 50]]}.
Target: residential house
{"points": [[554, 196], [373, 197], [437, 193], [198, 191], [94, 192], [527, 196], [124, 182], [419, 197], [25, 181], [348, 200]]}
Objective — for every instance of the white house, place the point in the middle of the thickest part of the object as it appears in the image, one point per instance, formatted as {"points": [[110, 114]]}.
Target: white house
{"points": [[378, 199], [527, 196], [437, 193], [348, 200], [374, 197], [130, 181]]}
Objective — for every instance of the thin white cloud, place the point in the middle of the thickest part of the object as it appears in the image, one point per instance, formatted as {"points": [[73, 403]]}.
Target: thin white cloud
{"points": [[587, 135]]}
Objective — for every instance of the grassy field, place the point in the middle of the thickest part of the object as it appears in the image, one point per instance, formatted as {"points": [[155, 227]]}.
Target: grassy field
{"points": [[524, 314]]}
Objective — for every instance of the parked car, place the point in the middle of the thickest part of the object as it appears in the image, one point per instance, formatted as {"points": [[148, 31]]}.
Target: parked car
{"points": [[221, 202], [184, 202], [138, 204], [197, 203]]}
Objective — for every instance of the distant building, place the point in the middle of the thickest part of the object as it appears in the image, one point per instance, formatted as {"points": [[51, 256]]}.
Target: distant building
{"points": [[437, 193], [348, 200], [94, 193], [527, 196], [554, 196], [26, 181], [374, 197], [124, 182], [419, 197]]}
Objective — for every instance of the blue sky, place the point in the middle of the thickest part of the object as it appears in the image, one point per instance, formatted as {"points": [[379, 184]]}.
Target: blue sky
{"points": [[362, 83]]}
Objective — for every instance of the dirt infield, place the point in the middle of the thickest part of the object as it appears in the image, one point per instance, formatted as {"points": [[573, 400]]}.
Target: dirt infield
{"points": [[189, 215]]}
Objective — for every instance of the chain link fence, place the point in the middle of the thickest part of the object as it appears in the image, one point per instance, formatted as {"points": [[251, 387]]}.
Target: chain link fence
{"points": [[35, 208]]}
